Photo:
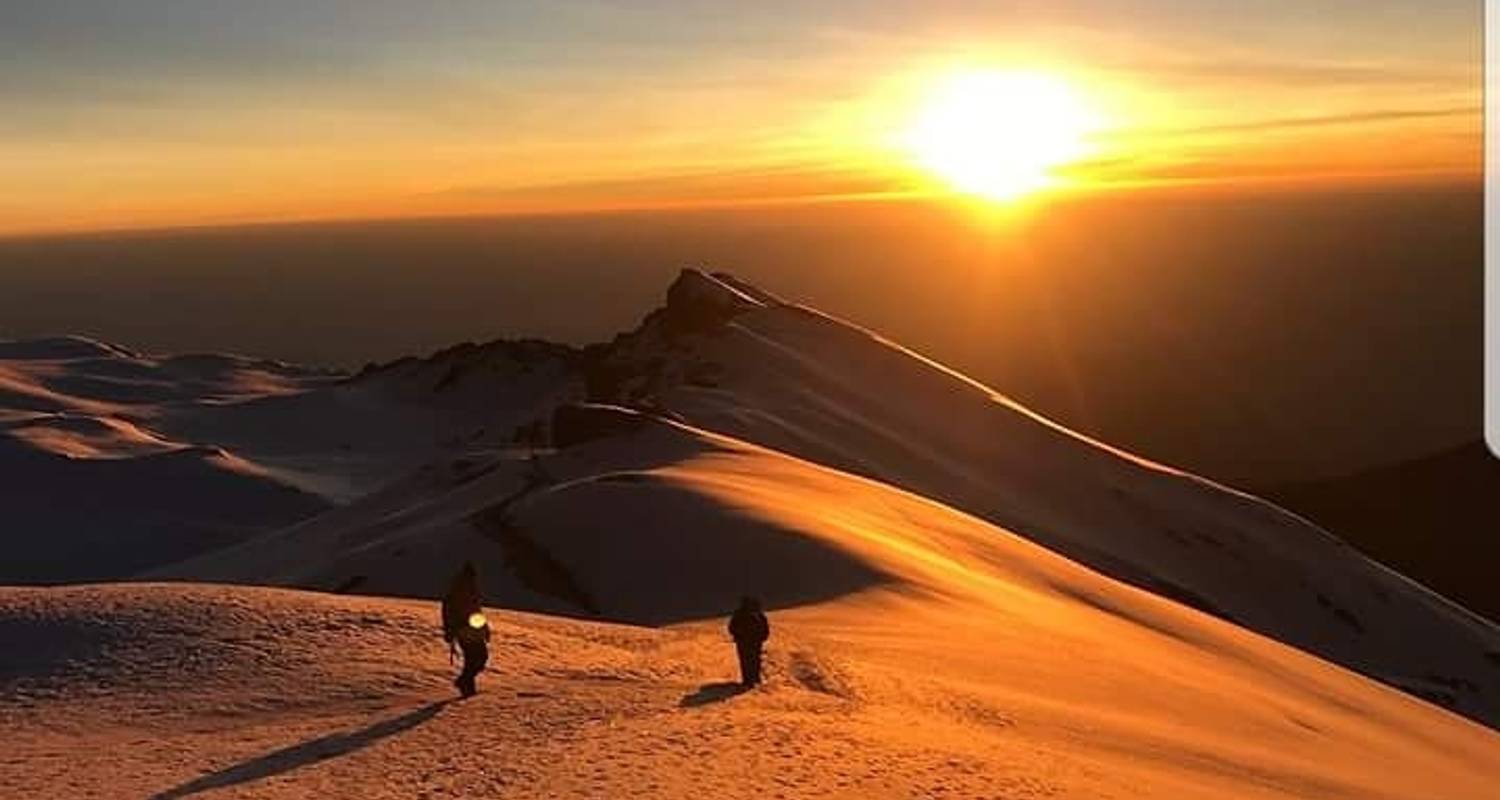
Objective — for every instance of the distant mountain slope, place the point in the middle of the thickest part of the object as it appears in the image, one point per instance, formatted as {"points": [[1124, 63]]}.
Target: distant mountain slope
{"points": [[1436, 519], [350, 437], [113, 461], [66, 520], [91, 490]]}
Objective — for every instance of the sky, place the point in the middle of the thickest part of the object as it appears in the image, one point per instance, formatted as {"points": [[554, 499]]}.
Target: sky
{"points": [[184, 112]]}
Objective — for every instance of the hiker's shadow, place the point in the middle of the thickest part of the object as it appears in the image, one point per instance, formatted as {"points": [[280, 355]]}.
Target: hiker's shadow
{"points": [[712, 693], [308, 752]]}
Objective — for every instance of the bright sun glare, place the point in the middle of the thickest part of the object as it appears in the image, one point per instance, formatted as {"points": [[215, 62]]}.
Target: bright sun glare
{"points": [[1001, 134]]}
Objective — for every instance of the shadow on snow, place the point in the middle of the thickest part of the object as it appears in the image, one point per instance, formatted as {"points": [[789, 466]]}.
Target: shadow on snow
{"points": [[308, 752], [713, 693]]}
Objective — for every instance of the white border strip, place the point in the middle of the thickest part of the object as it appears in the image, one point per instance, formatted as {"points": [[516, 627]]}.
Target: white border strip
{"points": [[1492, 226]]}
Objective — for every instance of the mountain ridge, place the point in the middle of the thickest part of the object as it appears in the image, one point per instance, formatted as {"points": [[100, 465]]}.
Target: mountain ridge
{"points": [[724, 357], [966, 599]]}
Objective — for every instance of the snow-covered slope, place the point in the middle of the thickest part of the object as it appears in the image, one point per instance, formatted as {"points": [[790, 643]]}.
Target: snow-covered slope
{"points": [[650, 521], [116, 461], [950, 578], [730, 358], [92, 489], [349, 438], [760, 383], [1029, 691]]}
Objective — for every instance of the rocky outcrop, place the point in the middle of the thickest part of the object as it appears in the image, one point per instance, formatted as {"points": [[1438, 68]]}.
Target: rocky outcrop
{"points": [[698, 303], [634, 367]]}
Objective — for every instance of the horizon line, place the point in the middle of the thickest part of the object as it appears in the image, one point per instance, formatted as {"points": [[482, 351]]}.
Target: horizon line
{"points": [[1307, 181]]}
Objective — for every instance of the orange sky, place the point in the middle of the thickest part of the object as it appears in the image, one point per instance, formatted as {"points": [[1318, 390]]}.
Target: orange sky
{"points": [[170, 113]]}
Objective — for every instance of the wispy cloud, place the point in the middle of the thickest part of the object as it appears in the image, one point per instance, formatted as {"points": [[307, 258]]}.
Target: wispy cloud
{"points": [[1276, 124], [1301, 73]]}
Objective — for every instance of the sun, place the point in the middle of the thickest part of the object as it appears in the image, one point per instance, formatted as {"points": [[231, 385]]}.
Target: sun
{"points": [[1001, 134]]}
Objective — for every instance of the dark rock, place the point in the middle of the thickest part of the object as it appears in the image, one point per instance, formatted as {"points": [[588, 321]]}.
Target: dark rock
{"points": [[697, 303]]}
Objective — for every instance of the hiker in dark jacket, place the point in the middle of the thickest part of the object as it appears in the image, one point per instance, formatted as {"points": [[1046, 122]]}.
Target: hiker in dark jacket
{"points": [[750, 630], [464, 626]]}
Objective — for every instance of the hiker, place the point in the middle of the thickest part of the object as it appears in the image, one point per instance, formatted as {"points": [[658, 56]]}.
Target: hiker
{"points": [[750, 630], [464, 625]]}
